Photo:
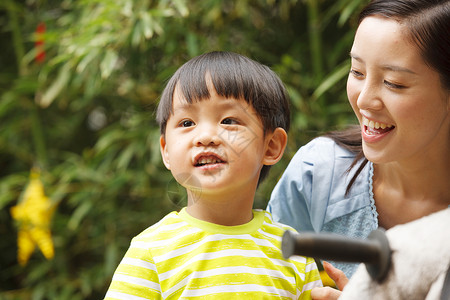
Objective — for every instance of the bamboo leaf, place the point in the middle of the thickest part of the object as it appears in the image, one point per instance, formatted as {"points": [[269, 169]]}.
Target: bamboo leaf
{"points": [[108, 63], [56, 88], [78, 215], [147, 26], [125, 157], [136, 34], [331, 80], [181, 7], [348, 11], [87, 59]]}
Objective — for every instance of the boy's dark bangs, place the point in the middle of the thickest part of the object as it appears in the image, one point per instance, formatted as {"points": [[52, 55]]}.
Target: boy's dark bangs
{"points": [[232, 76], [226, 77]]}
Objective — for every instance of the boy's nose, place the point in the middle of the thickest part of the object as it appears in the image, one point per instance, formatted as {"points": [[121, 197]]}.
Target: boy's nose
{"points": [[207, 136]]}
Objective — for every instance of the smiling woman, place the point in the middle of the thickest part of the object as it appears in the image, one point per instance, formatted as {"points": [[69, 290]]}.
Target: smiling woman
{"points": [[388, 84], [394, 166]]}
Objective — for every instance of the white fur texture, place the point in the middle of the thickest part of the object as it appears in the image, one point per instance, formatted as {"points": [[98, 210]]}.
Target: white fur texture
{"points": [[420, 260]]}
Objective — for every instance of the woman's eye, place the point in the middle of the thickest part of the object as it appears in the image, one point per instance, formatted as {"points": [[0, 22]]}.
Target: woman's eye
{"points": [[229, 121], [186, 123], [356, 73], [394, 85]]}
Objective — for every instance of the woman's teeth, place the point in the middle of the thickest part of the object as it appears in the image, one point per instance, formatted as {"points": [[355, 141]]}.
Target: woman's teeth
{"points": [[375, 125], [372, 127]]}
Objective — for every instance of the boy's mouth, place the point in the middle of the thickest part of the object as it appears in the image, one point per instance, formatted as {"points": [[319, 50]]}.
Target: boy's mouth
{"points": [[374, 127], [204, 159]]}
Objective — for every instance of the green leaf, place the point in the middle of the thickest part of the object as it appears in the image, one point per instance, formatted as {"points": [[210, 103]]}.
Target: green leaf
{"points": [[181, 7], [56, 88], [87, 60], [331, 80], [147, 24], [125, 157], [78, 215], [136, 34], [348, 11], [108, 63]]}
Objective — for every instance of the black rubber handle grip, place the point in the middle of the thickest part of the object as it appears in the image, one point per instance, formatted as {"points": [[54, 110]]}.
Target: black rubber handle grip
{"points": [[374, 251]]}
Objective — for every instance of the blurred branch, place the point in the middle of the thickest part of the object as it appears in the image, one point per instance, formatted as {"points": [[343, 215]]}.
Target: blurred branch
{"points": [[13, 10], [38, 137], [19, 49], [315, 38]]}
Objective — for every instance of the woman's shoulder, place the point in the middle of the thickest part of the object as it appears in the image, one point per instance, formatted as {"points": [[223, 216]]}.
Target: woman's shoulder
{"points": [[325, 171], [328, 159], [322, 150]]}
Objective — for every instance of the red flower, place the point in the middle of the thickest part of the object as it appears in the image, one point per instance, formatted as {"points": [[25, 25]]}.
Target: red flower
{"points": [[39, 44]]}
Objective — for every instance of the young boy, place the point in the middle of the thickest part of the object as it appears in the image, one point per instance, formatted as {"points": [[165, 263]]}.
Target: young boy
{"points": [[223, 120]]}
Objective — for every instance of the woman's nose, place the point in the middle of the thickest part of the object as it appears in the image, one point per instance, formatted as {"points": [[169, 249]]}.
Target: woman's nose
{"points": [[370, 97]]}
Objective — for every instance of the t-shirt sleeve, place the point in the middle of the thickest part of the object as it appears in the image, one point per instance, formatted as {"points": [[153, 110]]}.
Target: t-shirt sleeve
{"points": [[312, 278], [136, 276]]}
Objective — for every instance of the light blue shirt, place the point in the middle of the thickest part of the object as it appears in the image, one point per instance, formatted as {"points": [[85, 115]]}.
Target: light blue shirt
{"points": [[310, 196]]}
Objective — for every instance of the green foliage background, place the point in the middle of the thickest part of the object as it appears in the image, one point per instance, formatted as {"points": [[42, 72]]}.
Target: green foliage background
{"points": [[85, 116]]}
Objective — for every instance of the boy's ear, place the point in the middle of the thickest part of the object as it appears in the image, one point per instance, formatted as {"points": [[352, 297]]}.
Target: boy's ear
{"points": [[275, 146], [164, 151]]}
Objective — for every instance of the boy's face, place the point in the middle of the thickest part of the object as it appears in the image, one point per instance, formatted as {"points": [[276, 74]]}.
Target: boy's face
{"points": [[215, 145]]}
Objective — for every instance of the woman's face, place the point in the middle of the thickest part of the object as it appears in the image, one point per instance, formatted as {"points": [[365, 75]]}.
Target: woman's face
{"points": [[399, 100]]}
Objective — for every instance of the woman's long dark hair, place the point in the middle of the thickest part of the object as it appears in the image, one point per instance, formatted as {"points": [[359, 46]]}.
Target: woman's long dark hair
{"points": [[351, 140], [428, 22]]}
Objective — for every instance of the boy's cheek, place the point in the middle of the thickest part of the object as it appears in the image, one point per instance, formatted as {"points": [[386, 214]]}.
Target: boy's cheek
{"points": [[238, 140]]}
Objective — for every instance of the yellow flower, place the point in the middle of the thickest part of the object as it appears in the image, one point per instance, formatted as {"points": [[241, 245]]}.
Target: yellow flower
{"points": [[33, 214]]}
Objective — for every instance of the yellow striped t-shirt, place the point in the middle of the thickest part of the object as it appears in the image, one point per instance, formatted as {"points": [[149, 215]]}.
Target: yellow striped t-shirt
{"points": [[181, 257]]}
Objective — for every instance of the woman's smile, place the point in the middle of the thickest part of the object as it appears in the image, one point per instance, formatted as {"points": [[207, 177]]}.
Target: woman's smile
{"points": [[397, 97], [373, 131]]}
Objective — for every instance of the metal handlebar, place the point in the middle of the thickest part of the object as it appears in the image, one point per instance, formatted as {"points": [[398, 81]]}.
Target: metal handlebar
{"points": [[374, 252]]}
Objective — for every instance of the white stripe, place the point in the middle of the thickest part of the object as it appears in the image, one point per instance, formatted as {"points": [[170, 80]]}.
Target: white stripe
{"points": [[228, 270], [215, 237], [269, 235], [136, 281], [163, 243], [284, 226], [166, 227], [312, 284], [268, 215], [138, 263], [310, 267], [222, 254], [236, 289], [296, 270], [272, 224], [300, 259], [117, 295]]}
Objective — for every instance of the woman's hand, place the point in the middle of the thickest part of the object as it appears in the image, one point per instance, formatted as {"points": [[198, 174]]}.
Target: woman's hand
{"points": [[329, 293]]}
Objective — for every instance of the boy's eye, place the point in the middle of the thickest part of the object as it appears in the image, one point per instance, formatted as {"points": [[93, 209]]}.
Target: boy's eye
{"points": [[229, 121], [186, 123]]}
